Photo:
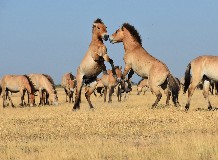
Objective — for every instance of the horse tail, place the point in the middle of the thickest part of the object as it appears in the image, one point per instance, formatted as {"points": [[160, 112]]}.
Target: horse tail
{"points": [[174, 88], [187, 77]]}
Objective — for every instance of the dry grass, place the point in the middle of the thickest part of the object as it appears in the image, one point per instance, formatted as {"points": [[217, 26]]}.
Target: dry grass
{"points": [[127, 130]]}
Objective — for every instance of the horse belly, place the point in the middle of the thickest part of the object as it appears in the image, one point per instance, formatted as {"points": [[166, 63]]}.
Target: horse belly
{"points": [[141, 71], [91, 71], [212, 73]]}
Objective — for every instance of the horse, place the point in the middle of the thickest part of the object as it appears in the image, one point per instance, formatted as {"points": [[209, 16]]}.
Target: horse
{"points": [[204, 69], [123, 87], [138, 60], [17, 83], [110, 82], [99, 88], [143, 83], [69, 84], [44, 84], [93, 63]]}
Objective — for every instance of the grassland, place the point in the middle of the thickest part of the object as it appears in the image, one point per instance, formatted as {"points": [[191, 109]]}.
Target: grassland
{"points": [[127, 130]]}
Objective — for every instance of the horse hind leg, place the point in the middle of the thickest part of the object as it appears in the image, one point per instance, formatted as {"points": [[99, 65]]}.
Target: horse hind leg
{"points": [[89, 92], [206, 88], [155, 89], [9, 98], [191, 90]]}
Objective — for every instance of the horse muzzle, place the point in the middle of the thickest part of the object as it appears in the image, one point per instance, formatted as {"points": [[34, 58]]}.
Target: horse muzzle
{"points": [[105, 37], [111, 40], [119, 80]]}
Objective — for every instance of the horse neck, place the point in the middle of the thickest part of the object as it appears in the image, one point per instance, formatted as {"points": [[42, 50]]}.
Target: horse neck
{"points": [[29, 88], [129, 42], [49, 87], [95, 38]]}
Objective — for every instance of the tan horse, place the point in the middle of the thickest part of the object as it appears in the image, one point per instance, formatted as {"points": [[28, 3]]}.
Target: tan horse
{"points": [[93, 63], [44, 84], [138, 60], [110, 82], [69, 84], [143, 83], [204, 68], [14, 84]]}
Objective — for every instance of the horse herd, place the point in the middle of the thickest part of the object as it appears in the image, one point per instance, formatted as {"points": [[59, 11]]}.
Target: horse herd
{"points": [[155, 74]]}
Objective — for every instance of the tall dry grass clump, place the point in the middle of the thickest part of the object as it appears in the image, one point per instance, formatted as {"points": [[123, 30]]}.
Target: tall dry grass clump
{"points": [[126, 130]]}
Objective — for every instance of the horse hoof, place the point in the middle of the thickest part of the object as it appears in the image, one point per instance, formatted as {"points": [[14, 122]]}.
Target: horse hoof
{"points": [[210, 108], [92, 109]]}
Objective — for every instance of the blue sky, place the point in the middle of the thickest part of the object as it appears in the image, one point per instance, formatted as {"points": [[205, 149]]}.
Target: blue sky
{"points": [[52, 36]]}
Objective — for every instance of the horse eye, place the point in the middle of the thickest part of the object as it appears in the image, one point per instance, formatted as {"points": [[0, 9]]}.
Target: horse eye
{"points": [[98, 28]]}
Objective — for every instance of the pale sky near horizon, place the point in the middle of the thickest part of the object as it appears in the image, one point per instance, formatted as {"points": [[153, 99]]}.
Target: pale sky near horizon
{"points": [[52, 36]]}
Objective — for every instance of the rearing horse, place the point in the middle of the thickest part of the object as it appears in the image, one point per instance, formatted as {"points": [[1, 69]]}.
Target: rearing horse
{"points": [[93, 62], [138, 60]]}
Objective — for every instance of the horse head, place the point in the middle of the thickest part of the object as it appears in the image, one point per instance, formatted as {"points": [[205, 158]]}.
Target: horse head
{"points": [[119, 74], [100, 30], [53, 98], [117, 36]]}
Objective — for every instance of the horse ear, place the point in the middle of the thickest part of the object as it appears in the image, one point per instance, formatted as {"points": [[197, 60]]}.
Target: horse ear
{"points": [[120, 67], [94, 24], [122, 28]]}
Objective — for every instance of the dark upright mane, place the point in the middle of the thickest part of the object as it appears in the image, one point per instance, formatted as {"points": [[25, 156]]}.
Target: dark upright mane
{"points": [[31, 83], [133, 32], [98, 20]]}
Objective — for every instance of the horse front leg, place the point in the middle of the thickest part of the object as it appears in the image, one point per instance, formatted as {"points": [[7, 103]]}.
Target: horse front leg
{"points": [[22, 92], [111, 89], [4, 98], [105, 93]]}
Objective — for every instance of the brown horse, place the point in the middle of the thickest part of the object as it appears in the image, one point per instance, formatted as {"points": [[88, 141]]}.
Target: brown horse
{"points": [[44, 84], [143, 83], [110, 82], [14, 84], [99, 87], [124, 87], [138, 60], [93, 63], [69, 84], [204, 68]]}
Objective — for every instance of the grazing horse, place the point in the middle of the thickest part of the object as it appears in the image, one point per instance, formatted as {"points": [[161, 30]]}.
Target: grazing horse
{"points": [[138, 60], [204, 68], [143, 83], [93, 63], [69, 84], [110, 82], [14, 84], [44, 84]]}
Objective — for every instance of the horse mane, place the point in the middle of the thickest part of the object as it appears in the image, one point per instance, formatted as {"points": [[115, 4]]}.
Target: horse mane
{"points": [[30, 82], [133, 32], [50, 80]]}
